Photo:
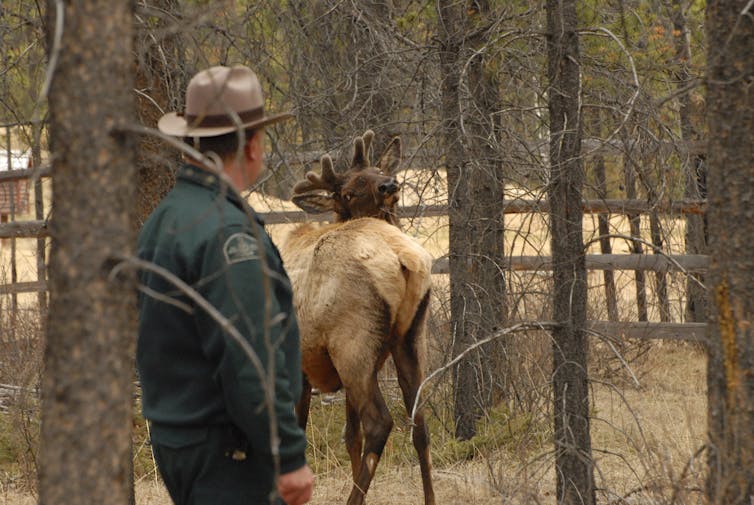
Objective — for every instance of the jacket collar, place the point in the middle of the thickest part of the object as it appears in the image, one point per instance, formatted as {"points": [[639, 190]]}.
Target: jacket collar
{"points": [[199, 176]]}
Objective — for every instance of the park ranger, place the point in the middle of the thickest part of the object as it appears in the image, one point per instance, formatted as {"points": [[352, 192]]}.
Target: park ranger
{"points": [[218, 357]]}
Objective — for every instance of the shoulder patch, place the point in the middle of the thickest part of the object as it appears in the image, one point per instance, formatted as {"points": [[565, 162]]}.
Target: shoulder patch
{"points": [[240, 247]]}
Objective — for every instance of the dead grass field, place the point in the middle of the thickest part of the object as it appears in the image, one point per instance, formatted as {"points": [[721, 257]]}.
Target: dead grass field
{"points": [[644, 438]]}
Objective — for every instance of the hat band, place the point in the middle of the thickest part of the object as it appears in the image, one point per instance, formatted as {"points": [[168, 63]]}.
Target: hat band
{"points": [[223, 120]]}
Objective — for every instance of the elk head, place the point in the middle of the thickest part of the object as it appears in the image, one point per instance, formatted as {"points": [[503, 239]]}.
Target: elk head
{"points": [[363, 190]]}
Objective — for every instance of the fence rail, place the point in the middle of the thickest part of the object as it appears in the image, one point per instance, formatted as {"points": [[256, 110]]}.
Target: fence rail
{"points": [[688, 263], [35, 229], [17, 288], [637, 262], [24, 173], [689, 332], [24, 229], [691, 263]]}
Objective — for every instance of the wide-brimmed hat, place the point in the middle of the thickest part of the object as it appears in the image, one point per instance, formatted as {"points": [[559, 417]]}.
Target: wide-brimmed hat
{"points": [[220, 100]]}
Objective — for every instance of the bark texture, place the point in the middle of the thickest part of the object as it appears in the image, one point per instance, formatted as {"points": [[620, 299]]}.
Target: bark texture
{"points": [[573, 451], [694, 164], [160, 80], [86, 403], [730, 102], [475, 198]]}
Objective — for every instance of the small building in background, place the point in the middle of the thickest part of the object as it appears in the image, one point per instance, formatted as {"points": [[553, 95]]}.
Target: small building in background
{"points": [[14, 194]]}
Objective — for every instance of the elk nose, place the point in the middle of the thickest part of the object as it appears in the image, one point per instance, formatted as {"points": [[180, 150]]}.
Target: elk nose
{"points": [[389, 187]]}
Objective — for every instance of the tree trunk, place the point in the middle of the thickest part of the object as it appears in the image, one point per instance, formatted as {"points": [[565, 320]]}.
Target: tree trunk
{"points": [[39, 214], [695, 169], [12, 189], [160, 79], [466, 386], [486, 213], [730, 103], [477, 284], [573, 450], [87, 388], [661, 278]]}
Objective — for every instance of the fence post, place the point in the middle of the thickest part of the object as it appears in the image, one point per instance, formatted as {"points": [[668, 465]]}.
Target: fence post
{"points": [[36, 162], [12, 214], [603, 223], [634, 220]]}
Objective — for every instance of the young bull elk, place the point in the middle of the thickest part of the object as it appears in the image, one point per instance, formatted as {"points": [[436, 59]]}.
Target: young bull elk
{"points": [[361, 289]]}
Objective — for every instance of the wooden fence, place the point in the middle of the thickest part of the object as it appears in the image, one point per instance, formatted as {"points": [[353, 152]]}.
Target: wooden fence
{"points": [[635, 262], [26, 179]]}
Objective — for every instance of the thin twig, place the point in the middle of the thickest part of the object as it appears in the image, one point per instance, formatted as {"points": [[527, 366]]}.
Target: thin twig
{"points": [[225, 324], [632, 101], [54, 54], [617, 354], [537, 325]]}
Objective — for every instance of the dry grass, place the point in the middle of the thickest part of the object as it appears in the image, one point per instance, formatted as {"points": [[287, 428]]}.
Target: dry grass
{"points": [[392, 486], [464, 484], [645, 439], [8, 497], [648, 437]]}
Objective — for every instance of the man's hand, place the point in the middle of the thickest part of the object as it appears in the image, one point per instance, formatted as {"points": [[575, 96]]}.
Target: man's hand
{"points": [[295, 488]]}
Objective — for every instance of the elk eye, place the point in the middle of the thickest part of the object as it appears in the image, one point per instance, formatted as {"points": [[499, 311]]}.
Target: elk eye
{"points": [[348, 197]]}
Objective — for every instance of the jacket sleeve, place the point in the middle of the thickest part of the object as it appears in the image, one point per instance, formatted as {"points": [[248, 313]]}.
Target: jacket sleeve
{"points": [[235, 279]]}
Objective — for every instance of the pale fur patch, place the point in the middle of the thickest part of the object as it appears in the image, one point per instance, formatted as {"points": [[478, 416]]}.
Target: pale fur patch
{"points": [[343, 275]]}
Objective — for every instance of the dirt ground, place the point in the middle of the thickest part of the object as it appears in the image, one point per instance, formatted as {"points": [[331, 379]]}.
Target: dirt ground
{"points": [[394, 486]]}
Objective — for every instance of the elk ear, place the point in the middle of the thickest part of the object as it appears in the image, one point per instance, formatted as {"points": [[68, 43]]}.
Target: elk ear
{"points": [[314, 203], [391, 157]]}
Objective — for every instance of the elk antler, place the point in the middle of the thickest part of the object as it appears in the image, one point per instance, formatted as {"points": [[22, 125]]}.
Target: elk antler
{"points": [[361, 150], [368, 136], [327, 181]]}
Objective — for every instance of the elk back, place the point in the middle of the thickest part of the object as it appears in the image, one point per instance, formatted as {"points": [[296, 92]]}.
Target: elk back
{"points": [[357, 286]]}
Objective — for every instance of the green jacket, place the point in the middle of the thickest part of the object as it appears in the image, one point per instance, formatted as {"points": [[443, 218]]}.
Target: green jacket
{"points": [[192, 372]]}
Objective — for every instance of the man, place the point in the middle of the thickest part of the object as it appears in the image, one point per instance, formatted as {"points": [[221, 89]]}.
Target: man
{"points": [[208, 405]]}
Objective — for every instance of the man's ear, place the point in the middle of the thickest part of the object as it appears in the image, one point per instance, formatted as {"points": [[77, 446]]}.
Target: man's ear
{"points": [[254, 145]]}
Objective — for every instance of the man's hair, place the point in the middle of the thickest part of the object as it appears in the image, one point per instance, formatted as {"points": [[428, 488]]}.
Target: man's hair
{"points": [[224, 146]]}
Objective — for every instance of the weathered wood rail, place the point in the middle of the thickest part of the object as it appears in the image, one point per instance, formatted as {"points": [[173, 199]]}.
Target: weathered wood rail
{"points": [[689, 263], [695, 264], [35, 229], [692, 263], [26, 173]]}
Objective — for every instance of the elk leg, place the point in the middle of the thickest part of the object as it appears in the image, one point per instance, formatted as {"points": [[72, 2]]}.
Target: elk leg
{"points": [[410, 376], [377, 424], [302, 407], [354, 440]]}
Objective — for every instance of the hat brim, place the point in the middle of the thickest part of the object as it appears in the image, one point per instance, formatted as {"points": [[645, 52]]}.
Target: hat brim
{"points": [[174, 125]]}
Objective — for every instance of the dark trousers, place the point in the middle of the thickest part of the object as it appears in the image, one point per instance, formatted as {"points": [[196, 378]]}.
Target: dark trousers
{"points": [[198, 467]]}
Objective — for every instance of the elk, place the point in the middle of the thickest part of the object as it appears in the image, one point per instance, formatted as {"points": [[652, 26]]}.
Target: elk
{"points": [[361, 290]]}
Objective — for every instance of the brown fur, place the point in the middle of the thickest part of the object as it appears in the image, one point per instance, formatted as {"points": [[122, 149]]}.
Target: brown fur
{"points": [[361, 289]]}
